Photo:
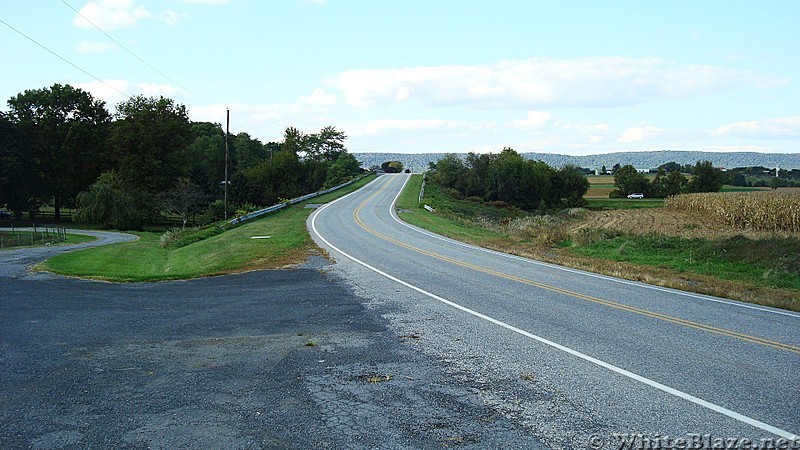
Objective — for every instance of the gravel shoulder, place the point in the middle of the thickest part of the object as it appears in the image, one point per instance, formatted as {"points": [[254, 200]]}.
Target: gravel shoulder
{"points": [[265, 359]]}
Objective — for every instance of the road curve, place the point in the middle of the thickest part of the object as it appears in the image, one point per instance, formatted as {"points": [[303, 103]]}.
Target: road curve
{"points": [[17, 262], [574, 355]]}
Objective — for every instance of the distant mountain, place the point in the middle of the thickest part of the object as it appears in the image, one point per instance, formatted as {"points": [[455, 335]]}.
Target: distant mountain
{"points": [[419, 161]]}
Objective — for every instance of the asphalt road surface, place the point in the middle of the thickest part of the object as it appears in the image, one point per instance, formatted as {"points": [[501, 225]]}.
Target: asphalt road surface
{"points": [[581, 360], [266, 359]]}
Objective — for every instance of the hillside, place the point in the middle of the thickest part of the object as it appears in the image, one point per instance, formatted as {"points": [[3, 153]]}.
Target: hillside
{"points": [[419, 161]]}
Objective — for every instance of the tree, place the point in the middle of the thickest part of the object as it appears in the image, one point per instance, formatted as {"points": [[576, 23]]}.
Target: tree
{"points": [[151, 138], [478, 171], [672, 184], [705, 178], [569, 187], [110, 203], [392, 166], [65, 128], [628, 181], [450, 172], [17, 186], [738, 179], [327, 145], [206, 158], [185, 199], [345, 167], [247, 151], [670, 167]]}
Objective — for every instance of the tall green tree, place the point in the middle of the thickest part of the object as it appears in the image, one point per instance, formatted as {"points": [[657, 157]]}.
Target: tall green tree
{"points": [[569, 185], [629, 181], [247, 151], [450, 172], [344, 168], [150, 138], [705, 178], [668, 185], [110, 202], [326, 145], [18, 188], [65, 129], [206, 158]]}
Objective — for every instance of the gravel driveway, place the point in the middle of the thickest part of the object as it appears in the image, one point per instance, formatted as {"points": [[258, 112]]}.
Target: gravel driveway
{"points": [[266, 359]]}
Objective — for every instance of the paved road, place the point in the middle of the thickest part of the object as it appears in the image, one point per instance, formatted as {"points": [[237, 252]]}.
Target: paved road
{"points": [[265, 359], [571, 354]]}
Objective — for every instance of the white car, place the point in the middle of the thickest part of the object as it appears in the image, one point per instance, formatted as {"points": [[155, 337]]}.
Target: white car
{"points": [[636, 195]]}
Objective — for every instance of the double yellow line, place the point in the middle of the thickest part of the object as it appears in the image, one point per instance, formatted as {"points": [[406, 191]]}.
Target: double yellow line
{"points": [[608, 303]]}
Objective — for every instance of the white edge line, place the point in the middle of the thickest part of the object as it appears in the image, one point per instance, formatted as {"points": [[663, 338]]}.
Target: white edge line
{"points": [[662, 387], [582, 272]]}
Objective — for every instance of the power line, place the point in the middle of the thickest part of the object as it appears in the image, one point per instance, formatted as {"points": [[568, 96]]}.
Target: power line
{"points": [[61, 57], [133, 54]]}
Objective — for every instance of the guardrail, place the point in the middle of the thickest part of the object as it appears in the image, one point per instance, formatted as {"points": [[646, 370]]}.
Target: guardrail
{"points": [[279, 206]]}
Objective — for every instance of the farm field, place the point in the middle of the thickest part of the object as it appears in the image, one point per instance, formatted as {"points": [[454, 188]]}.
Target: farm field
{"points": [[636, 240]]}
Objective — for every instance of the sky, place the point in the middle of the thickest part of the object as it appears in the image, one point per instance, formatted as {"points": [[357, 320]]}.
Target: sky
{"points": [[421, 76]]}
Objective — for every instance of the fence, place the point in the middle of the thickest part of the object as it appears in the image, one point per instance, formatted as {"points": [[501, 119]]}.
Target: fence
{"points": [[279, 206], [41, 235]]}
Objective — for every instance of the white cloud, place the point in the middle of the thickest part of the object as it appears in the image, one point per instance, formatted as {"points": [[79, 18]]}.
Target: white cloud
{"points": [[207, 2], [542, 82], [383, 126], [169, 17], [666, 136], [85, 47], [114, 14], [772, 128], [111, 14], [641, 134], [109, 90], [535, 119], [320, 97]]}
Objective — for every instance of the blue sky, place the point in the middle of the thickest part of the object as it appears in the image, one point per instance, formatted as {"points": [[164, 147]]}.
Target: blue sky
{"points": [[572, 77]]}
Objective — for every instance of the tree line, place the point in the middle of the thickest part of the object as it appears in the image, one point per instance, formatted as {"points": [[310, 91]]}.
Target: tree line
{"points": [[668, 181], [511, 178], [61, 147]]}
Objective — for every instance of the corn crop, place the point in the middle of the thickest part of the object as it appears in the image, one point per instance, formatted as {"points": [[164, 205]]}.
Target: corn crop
{"points": [[777, 211]]}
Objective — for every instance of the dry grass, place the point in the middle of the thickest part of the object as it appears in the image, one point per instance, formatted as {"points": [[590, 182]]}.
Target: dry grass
{"points": [[777, 211], [662, 221]]}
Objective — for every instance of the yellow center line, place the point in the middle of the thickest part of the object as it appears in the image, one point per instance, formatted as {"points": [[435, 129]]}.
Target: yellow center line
{"points": [[609, 303]]}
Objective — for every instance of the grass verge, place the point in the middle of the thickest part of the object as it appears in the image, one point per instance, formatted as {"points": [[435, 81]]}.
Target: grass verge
{"points": [[228, 252], [761, 271], [624, 203]]}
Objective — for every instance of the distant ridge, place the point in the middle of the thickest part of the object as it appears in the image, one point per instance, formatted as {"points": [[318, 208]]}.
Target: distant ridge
{"points": [[419, 161]]}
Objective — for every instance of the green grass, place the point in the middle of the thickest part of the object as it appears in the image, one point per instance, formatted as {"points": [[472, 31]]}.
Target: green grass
{"points": [[451, 214], [231, 251], [765, 262], [765, 271], [624, 203], [20, 239]]}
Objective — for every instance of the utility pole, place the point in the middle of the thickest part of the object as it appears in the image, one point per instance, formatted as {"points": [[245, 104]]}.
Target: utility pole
{"points": [[227, 132]]}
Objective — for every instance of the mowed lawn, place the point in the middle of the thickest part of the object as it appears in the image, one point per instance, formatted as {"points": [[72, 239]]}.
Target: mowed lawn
{"points": [[232, 251]]}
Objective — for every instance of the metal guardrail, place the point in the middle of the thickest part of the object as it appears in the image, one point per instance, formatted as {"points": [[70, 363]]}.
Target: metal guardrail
{"points": [[279, 206]]}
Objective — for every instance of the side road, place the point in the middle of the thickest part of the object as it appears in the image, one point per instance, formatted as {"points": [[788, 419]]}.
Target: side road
{"points": [[15, 263], [265, 359]]}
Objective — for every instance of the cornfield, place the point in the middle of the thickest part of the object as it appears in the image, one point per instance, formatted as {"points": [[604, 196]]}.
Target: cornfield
{"points": [[777, 211]]}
